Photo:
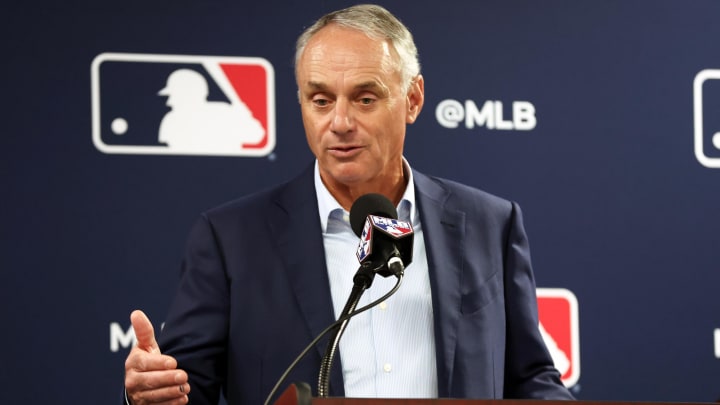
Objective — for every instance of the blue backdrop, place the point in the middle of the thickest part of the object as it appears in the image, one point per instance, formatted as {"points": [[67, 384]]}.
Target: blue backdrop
{"points": [[609, 150]]}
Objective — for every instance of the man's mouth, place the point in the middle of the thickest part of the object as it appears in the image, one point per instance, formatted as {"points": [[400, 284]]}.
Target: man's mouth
{"points": [[345, 151]]}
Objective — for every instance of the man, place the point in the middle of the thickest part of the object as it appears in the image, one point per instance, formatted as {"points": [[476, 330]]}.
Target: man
{"points": [[262, 275]]}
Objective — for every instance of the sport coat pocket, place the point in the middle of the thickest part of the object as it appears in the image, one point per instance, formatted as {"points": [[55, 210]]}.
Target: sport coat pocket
{"points": [[481, 295]]}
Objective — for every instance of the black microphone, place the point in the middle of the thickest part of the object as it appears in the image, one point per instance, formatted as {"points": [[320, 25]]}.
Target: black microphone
{"points": [[383, 238]]}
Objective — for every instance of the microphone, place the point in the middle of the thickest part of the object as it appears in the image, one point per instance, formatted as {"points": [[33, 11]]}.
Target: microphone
{"points": [[384, 240]]}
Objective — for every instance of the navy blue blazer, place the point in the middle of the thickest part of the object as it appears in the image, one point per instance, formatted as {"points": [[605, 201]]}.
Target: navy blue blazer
{"points": [[254, 292]]}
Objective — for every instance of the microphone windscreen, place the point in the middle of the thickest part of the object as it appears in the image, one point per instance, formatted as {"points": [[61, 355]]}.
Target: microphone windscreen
{"points": [[370, 204]]}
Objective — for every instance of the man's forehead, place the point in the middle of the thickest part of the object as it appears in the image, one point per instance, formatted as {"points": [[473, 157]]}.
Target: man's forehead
{"points": [[340, 47], [344, 35], [341, 55], [365, 74]]}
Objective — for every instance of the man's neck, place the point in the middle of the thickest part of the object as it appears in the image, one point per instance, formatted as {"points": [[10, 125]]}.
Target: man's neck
{"points": [[392, 189]]}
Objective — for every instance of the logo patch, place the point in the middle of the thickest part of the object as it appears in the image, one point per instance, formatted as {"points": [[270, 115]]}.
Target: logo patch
{"points": [[182, 105], [364, 247], [392, 227]]}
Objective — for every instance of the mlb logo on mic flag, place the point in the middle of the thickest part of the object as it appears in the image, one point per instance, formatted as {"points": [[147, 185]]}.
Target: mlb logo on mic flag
{"points": [[363, 250], [393, 227], [183, 105], [559, 326]]}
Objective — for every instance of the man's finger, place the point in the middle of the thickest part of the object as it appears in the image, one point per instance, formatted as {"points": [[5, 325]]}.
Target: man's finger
{"points": [[166, 395], [140, 360], [144, 332], [153, 380], [157, 386]]}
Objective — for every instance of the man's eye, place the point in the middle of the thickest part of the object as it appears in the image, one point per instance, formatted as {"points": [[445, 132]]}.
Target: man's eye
{"points": [[320, 102], [366, 101]]}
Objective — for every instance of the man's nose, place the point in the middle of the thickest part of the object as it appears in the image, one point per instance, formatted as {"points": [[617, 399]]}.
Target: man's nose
{"points": [[342, 121]]}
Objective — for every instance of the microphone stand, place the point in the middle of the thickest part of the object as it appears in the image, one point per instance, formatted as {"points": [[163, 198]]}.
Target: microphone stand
{"points": [[325, 332], [362, 281]]}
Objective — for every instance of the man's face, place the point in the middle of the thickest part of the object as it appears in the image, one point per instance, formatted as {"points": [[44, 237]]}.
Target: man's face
{"points": [[353, 107]]}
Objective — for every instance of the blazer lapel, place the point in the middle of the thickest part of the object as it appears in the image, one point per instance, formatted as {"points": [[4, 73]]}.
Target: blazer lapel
{"points": [[443, 229], [296, 227]]}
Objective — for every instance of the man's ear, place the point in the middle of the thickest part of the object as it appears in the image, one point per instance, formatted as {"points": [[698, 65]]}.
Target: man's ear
{"points": [[415, 99]]}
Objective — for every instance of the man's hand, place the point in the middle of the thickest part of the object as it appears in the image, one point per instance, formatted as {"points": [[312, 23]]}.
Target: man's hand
{"points": [[150, 376]]}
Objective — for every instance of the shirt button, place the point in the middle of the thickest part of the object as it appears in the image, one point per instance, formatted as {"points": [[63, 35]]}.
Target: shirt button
{"points": [[387, 367], [383, 305]]}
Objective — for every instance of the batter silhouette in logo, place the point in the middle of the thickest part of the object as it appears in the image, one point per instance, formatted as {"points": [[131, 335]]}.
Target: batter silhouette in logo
{"points": [[196, 125]]}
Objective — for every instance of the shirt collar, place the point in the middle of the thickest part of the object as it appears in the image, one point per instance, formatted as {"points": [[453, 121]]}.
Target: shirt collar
{"points": [[327, 204]]}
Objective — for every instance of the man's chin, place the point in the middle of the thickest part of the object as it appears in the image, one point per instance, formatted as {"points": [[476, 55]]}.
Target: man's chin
{"points": [[348, 175]]}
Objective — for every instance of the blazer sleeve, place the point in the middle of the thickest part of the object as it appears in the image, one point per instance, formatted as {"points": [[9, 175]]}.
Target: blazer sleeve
{"points": [[529, 369], [196, 328]]}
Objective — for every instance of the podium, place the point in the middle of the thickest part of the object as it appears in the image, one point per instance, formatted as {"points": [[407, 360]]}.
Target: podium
{"points": [[301, 395]]}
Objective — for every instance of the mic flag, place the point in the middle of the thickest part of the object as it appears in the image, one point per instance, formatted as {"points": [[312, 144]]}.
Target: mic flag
{"points": [[382, 237]]}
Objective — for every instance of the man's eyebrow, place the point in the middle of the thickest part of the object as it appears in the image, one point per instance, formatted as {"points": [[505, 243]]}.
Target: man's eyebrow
{"points": [[317, 86], [372, 85]]}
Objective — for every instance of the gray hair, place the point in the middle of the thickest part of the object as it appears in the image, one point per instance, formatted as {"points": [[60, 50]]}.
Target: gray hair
{"points": [[377, 23]]}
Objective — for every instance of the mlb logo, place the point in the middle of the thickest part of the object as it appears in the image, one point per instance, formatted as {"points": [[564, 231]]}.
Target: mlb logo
{"points": [[182, 105], [392, 227], [363, 250], [558, 315], [706, 116]]}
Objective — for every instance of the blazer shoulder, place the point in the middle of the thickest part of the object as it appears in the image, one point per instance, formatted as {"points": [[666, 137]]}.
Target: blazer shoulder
{"points": [[464, 197], [282, 197]]}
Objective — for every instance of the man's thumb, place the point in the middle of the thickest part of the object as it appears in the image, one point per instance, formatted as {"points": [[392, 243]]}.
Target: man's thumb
{"points": [[144, 332]]}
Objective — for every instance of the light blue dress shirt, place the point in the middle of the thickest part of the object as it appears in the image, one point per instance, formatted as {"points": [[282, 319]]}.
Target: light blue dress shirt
{"points": [[388, 351]]}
